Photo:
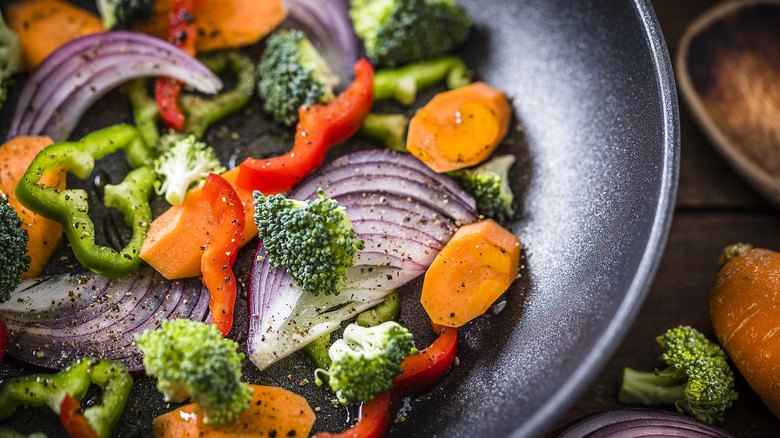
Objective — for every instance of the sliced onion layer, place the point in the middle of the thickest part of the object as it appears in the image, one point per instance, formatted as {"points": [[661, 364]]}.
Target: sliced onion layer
{"points": [[53, 321], [327, 24], [80, 72], [403, 213], [634, 423]]}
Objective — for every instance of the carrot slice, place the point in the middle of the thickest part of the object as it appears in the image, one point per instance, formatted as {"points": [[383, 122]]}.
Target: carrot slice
{"points": [[44, 234], [745, 313], [176, 239], [223, 24], [459, 128], [470, 273], [45, 25], [272, 412]]}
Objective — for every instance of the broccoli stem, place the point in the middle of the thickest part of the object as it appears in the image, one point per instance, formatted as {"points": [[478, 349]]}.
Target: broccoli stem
{"points": [[650, 388], [402, 83], [387, 129]]}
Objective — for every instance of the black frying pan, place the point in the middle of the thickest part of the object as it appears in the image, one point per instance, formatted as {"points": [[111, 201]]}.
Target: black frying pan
{"points": [[597, 140]]}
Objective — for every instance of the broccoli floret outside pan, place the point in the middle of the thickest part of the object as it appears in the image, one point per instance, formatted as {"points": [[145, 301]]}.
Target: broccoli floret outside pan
{"points": [[293, 74], [397, 32], [13, 249], [313, 239], [488, 183], [366, 360], [185, 162], [697, 380], [124, 14], [192, 359]]}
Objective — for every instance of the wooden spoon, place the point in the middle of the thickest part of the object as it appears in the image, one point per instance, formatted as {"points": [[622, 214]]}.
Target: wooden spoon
{"points": [[728, 70]]}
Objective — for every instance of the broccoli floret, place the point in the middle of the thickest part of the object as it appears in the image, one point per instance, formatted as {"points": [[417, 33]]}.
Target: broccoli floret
{"points": [[313, 239], [293, 74], [10, 58], [366, 360], [185, 162], [488, 183], [124, 14], [387, 129], [402, 83], [192, 359], [13, 249], [397, 32], [697, 381]]}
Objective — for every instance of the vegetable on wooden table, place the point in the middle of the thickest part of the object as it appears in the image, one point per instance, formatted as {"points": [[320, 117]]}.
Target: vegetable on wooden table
{"points": [[470, 273], [272, 412], [459, 128], [45, 25], [224, 24], [176, 239], [43, 234], [745, 313]]}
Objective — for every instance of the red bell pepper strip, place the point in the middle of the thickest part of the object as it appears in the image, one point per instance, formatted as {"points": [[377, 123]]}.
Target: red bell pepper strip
{"points": [[75, 423], [375, 419], [3, 337], [182, 34], [319, 128], [427, 366], [221, 249], [421, 370]]}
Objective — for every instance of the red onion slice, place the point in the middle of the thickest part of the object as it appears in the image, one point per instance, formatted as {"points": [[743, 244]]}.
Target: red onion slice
{"points": [[404, 215], [55, 320], [633, 423], [328, 26], [78, 73]]}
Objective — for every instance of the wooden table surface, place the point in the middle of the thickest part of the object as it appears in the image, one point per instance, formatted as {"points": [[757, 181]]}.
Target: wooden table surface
{"points": [[714, 208]]}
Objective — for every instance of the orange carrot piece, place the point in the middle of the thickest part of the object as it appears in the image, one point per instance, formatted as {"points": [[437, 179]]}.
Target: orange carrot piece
{"points": [[44, 234], [470, 273], [45, 25], [272, 412], [223, 24], [459, 128], [176, 239], [745, 313]]}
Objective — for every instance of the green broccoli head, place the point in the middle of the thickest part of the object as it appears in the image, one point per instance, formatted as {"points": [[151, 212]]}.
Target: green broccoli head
{"points": [[192, 359], [293, 74], [366, 360], [124, 14], [397, 32], [185, 162], [13, 249], [697, 380], [488, 183], [313, 239]]}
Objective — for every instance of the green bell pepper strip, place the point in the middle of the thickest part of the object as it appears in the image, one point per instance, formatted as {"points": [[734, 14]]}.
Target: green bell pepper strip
{"points": [[200, 112], [387, 310], [402, 84], [70, 207], [75, 379]]}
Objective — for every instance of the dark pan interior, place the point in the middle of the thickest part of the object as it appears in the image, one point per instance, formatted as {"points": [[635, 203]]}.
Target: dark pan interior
{"points": [[597, 140]]}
